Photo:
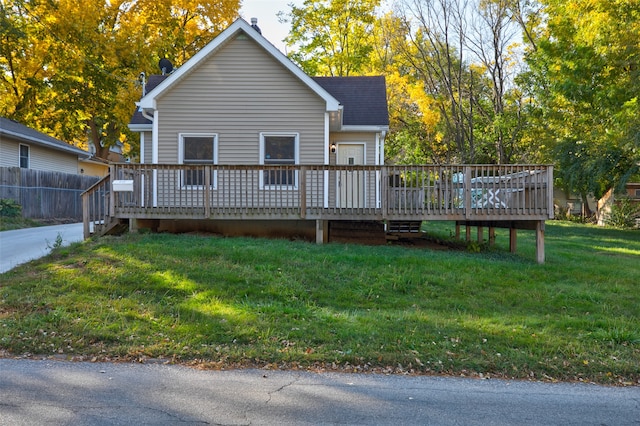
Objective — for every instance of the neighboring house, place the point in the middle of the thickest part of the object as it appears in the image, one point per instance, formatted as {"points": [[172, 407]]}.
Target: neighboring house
{"points": [[239, 140], [568, 204], [27, 148], [44, 175], [631, 191]]}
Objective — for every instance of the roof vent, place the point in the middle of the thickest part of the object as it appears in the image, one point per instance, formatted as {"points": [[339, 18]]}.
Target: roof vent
{"points": [[254, 25]]}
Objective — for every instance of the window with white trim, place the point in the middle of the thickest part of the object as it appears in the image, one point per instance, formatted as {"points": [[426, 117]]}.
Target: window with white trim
{"points": [[24, 156], [279, 149], [198, 149]]}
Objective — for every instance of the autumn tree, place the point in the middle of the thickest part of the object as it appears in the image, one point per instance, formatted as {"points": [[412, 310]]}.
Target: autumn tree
{"points": [[435, 54], [332, 37], [70, 68]]}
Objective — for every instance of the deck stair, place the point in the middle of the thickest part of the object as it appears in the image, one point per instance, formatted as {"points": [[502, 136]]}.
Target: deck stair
{"points": [[112, 227], [403, 227]]}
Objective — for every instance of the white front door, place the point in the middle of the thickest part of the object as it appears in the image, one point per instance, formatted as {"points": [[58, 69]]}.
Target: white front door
{"points": [[351, 183]]}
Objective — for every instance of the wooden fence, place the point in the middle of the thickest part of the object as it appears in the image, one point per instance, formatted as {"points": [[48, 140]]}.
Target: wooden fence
{"points": [[45, 194]]}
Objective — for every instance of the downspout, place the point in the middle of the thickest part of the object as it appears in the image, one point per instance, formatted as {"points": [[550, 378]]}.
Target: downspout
{"points": [[147, 116]]}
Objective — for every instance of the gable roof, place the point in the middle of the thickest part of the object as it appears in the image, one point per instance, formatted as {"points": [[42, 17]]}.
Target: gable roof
{"points": [[15, 130], [364, 99], [148, 102]]}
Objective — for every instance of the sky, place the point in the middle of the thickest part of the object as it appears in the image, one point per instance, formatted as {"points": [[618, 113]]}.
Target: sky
{"points": [[266, 11]]}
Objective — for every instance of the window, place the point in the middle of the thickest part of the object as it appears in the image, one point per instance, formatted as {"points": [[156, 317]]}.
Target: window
{"points": [[198, 149], [24, 156], [279, 149]]}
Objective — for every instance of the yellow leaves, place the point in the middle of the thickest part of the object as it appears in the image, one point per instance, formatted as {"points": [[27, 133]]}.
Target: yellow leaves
{"points": [[414, 96]]}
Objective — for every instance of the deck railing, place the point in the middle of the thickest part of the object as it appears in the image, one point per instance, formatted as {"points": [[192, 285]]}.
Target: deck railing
{"points": [[423, 192]]}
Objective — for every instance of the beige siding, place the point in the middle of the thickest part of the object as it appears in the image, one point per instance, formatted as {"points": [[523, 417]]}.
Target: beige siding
{"points": [[148, 144], [40, 158], [9, 153], [237, 93]]}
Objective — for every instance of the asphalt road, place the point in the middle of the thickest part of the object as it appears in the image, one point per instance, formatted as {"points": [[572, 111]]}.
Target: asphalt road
{"points": [[66, 393], [22, 245]]}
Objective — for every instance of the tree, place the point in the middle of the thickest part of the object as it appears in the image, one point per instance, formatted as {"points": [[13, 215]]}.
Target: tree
{"points": [[332, 37], [437, 57], [585, 74], [70, 68], [492, 40]]}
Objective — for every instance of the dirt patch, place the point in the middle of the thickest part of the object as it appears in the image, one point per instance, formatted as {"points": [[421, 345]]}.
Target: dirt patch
{"points": [[423, 241], [49, 222]]}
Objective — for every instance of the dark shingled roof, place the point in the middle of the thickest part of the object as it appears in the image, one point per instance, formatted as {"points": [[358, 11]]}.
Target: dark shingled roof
{"points": [[15, 130], [154, 80], [364, 99]]}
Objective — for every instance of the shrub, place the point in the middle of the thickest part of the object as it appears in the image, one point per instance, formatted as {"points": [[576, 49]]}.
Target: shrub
{"points": [[623, 214], [10, 208]]}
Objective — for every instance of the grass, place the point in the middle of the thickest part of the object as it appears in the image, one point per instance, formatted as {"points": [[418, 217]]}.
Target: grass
{"points": [[10, 223], [232, 302]]}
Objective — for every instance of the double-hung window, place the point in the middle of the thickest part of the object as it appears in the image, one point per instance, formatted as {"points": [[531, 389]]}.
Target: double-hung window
{"points": [[196, 151], [279, 149], [24, 156]]}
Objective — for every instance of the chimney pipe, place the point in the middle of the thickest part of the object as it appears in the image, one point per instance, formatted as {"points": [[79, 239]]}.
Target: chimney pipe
{"points": [[254, 25]]}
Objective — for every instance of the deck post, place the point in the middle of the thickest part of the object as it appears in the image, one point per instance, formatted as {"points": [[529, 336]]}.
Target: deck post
{"points": [[86, 232], [207, 191], [540, 241], [492, 236], [321, 231], [480, 230], [467, 193], [467, 232], [384, 192], [302, 193], [457, 230], [112, 194], [513, 240]]}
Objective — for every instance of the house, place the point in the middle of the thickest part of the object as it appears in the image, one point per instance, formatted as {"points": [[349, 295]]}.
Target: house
{"points": [[631, 192], [239, 140], [44, 175], [27, 148]]}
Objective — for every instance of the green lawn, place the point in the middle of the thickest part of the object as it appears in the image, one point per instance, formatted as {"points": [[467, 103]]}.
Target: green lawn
{"points": [[223, 302]]}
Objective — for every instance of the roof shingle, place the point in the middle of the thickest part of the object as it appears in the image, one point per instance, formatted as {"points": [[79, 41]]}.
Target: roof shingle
{"points": [[15, 130], [364, 99]]}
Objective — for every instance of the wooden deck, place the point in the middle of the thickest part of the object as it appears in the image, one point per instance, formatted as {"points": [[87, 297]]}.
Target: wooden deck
{"points": [[511, 196]]}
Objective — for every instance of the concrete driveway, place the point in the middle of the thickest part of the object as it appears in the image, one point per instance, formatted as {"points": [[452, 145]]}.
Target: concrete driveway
{"points": [[22, 245]]}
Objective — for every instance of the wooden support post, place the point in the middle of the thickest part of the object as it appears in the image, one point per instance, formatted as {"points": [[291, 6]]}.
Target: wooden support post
{"points": [[540, 241], [322, 228], [513, 239], [467, 232], [457, 230], [133, 224], [492, 236], [85, 216], [480, 230], [207, 192], [303, 192]]}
